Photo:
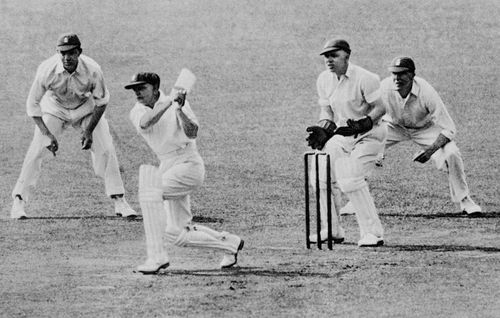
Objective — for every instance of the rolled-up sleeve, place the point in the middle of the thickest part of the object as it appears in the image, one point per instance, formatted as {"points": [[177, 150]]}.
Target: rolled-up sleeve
{"points": [[35, 95], [100, 92], [321, 86], [135, 116], [439, 114], [370, 86]]}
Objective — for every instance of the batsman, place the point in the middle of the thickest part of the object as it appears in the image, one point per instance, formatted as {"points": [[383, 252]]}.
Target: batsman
{"points": [[350, 130], [170, 127]]}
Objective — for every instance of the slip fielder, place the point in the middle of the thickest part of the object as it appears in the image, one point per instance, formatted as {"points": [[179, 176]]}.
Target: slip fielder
{"points": [[69, 91], [415, 112]]}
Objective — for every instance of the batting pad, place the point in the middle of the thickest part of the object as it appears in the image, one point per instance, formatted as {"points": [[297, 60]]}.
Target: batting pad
{"points": [[150, 184], [153, 213], [202, 237], [155, 222], [352, 182]]}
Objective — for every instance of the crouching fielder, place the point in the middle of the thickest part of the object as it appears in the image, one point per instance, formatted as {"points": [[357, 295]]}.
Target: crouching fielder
{"points": [[170, 127], [350, 131]]}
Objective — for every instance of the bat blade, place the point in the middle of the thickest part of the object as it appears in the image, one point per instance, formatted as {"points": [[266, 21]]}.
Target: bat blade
{"points": [[185, 80]]}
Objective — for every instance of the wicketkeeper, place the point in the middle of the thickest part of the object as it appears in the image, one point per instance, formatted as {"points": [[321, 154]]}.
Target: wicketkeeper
{"points": [[350, 130], [170, 128]]}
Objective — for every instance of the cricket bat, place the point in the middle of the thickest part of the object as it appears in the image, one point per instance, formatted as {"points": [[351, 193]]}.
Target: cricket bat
{"points": [[185, 80]]}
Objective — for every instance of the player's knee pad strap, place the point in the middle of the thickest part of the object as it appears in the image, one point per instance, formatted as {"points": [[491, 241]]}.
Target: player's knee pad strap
{"points": [[349, 173]]}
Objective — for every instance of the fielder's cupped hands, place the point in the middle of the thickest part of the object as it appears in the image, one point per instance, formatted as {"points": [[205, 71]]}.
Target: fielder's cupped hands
{"points": [[425, 155], [54, 145], [86, 140]]}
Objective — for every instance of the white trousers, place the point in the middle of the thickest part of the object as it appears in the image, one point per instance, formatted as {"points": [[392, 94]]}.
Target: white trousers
{"points": [[447, 158], [103, 152], [180, 176], [365, 147], [166, 194], [358, 156]]}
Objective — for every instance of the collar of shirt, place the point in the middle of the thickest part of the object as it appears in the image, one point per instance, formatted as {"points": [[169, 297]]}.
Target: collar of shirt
{"points": [[349, 71], [162, 98], [415, 88]]}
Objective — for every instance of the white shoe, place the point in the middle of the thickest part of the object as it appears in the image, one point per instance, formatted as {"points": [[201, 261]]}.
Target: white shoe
{"points": [[337, 237], [17, 210], [370, 240], [347, 209], [229, 260], [123, 209], [470, 207], [151, 267]]}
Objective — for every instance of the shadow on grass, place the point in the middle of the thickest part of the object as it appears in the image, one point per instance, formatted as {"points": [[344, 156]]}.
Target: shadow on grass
{"points": [[443, 248], [246, 271], [460, 215], [197, 219]]}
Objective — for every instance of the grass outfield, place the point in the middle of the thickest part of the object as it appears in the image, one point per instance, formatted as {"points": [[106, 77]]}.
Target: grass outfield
{"points": [[257, 64]]}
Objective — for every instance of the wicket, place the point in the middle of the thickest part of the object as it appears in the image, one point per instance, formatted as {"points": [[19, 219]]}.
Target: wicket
{"points": [[316, 156]]}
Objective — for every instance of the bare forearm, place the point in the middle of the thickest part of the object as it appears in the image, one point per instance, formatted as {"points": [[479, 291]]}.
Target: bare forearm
{"points": [[440, 142], [94, 119], [41, 125], [189, 126], [151, 118], [53, 145], [377, 111]]}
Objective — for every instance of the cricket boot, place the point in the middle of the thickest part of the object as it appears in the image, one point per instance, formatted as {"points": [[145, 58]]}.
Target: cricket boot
{"points": [[154, 219], [17, 210]]}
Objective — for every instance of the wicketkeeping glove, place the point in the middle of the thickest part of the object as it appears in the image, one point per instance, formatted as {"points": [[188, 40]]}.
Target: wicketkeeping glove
{"points": [[355, 127], [320, 134]]}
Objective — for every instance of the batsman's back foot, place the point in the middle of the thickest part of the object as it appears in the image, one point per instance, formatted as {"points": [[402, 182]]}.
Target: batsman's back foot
{"points": [[229, 260]]}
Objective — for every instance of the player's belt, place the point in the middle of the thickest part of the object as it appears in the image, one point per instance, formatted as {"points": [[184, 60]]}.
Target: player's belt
{"points": [[187, 148]]}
